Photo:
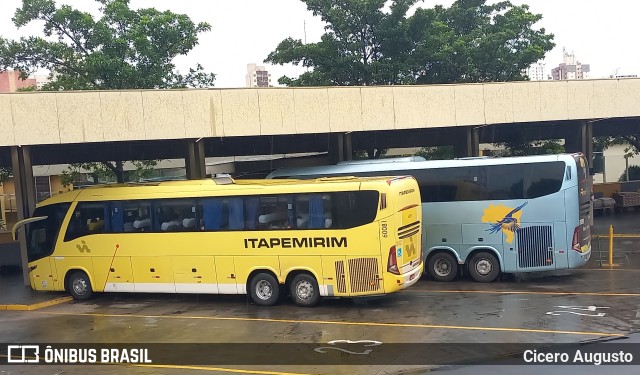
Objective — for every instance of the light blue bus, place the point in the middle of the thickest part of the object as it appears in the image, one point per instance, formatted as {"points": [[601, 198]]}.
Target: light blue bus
{"points": [[487, 215]]}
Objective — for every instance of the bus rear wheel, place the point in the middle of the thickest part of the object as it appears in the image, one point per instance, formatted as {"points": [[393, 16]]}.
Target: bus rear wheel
{"points": [[79, 286], [264, 289], [304, 290], [484, 267], [442, 267]]}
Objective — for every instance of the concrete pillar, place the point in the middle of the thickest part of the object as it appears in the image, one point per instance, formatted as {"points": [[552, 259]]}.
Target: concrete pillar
{"points": [[347, 147], [466, 142], [580, 139], [25, 198], [195, 160], [336, 147], [588, 147], [475, 141]]}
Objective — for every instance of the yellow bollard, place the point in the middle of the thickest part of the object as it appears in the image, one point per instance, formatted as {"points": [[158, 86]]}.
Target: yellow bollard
{"points": [[610, 245]]}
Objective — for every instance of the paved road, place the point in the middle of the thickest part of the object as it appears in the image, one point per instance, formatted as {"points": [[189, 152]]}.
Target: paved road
{"points": [[568, 307]]}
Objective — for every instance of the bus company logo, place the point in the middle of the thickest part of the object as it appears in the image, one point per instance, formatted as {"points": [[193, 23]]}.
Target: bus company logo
{"points": [[84, 248], [405, 192], [503, 218]]}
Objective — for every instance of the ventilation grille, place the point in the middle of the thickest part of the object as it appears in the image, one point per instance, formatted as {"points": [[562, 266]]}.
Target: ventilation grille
{"points": [[408, 230], [363, 273], [535, 246], [342, 286]]}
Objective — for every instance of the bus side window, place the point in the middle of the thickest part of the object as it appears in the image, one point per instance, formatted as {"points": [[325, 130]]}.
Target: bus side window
{"points": [[87, 218], [316, 212], [175, 215], [274, 212], [136, 217], [236, 213], [116, 217], [212, 214]]}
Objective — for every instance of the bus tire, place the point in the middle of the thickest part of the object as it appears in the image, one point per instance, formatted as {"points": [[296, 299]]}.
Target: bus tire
{"points": [[264, 289], [484, 267], [79, 286], [442, 266], [304, 290]]}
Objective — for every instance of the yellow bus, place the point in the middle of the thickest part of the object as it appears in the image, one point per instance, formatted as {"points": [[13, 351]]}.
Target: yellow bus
{"points": [[335, 237]]}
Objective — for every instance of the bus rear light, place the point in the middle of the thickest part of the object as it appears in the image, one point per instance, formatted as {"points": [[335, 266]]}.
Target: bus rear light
{"points": [[392, 263], [409, 207], [575, 244]]}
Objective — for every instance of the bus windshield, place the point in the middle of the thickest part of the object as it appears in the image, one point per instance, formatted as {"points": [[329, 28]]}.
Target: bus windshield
{"points": [[42, 234]]}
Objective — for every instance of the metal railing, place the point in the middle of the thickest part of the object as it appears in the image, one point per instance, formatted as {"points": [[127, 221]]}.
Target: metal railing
{"points": [[610, 237]]}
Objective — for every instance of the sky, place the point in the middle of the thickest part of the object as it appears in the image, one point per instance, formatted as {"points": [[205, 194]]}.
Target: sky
{"points": [[600, 33]]}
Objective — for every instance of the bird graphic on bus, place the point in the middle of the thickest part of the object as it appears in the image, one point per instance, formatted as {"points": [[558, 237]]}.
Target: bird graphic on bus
{"points": [[502, 220]]}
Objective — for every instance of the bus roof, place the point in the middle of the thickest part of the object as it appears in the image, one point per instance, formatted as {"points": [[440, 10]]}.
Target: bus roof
{"points": [[413, 165], [187, 188]]}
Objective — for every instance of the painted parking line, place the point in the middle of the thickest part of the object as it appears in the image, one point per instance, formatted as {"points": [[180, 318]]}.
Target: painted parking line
{"points": [[602, 294], [329, 322], [36, 306], [221, 369], [202, 368], [606, 267]]}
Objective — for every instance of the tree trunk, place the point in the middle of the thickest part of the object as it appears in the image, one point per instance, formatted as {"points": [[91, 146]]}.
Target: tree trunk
{"points": [[119, 171]]}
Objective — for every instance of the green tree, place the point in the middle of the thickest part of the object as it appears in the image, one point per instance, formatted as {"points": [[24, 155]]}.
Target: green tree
{"points": [[372, 153], [121, 49], [108, 171], [366, 43], [632, 141], [437, 152], [634, 174], [374, 42], [525, 147]]}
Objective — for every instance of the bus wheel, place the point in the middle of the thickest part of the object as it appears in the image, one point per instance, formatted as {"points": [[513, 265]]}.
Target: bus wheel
{"points": [[304, 290], [79, 286], [442, 267], [264, 289], [484, 267]]}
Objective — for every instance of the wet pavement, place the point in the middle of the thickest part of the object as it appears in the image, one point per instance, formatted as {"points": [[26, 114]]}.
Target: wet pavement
{"points": [[447, 323], [580, 305]]}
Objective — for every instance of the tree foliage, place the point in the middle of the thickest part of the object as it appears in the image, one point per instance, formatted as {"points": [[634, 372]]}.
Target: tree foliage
{"points": [[108, 171], [122, 49], [526, 147], [634, 174], [369, 43], [371, 153], [437, 152], [631, 141]]}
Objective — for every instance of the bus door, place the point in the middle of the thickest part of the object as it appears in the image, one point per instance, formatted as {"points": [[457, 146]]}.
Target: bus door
{"points": [[534, 246]]}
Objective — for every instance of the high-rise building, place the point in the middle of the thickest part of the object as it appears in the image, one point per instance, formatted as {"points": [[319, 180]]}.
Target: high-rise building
{"points": [[537, 71], [570, 68], [257, 76], [10, 81]]}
